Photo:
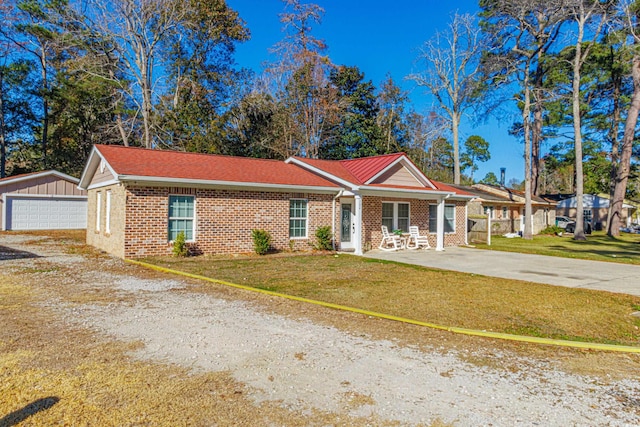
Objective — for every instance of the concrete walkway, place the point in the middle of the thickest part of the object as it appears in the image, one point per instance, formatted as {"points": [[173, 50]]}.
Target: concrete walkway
{"points": [[573, 273]]}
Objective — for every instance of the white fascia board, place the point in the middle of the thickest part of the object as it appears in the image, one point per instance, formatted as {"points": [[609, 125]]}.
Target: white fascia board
{"points": [[154, 180], [405, 192], [346, 184], [417, 173], [103, 184], [40, 175]]}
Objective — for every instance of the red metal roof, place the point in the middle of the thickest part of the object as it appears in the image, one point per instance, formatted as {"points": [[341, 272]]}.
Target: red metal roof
{"points": [[367, 167], [206, 167], [356, 171]]}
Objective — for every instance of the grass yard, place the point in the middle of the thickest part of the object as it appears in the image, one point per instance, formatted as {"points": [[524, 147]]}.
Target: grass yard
{"points": [[597, 247], [443, 297]]}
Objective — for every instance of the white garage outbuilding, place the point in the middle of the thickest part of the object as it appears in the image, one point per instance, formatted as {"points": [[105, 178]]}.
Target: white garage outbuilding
{"points": [[47, 200]]}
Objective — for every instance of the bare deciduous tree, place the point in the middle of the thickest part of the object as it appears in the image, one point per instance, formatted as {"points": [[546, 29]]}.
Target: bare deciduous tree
{"points": [[452, 73], [521, 31]]}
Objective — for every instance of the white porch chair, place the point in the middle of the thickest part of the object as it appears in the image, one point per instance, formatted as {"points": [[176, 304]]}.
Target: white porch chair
{"points": [[417, 241], [390, 242]]}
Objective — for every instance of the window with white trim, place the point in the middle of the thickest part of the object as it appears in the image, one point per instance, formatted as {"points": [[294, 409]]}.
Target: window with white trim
{"points": [[449, 218], [395, 216], [107, 216], [98, 209], [489, 212], [181, 216], [505, 212], [297, 218]]}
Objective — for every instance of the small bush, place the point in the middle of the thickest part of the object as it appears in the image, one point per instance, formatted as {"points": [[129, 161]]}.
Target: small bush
{"points": [[261, 241], [324, 238], [552, 229], [180, 248]]}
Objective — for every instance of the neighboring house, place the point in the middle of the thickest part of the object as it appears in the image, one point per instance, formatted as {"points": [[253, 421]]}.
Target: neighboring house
{"points": [[595, 210], [139, 200], [505, 207], [46, 200]]}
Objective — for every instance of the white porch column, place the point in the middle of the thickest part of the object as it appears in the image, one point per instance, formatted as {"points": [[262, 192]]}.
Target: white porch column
{"points": [[440, 226], [358, 224]]}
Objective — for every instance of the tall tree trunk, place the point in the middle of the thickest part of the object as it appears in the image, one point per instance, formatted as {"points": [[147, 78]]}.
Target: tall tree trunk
{"points": [[3, 142], [536, 134], [578, 234], [146, 100], [45, 107], [615, 218], [615, 142], [526, 122], [455, 123], [536, 139]]}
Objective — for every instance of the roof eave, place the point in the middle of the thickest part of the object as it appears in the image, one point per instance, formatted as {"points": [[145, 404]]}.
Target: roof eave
{"points": [[40, 175], [417, 192], [158, 180]]}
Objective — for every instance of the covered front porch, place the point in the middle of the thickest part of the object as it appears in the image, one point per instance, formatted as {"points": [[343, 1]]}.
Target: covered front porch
{"points": [[359, 217]]}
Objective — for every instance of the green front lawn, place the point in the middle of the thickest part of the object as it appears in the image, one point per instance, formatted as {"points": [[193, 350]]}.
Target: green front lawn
{"points": [[442, 297], [597, 247]]}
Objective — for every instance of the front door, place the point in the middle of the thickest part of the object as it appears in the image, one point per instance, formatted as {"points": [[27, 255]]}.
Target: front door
{"points": [[347, 226]]}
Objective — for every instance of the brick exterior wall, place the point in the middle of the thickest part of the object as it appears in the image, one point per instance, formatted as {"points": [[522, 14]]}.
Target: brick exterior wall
{"points": [[112, 242], [224, 220]]}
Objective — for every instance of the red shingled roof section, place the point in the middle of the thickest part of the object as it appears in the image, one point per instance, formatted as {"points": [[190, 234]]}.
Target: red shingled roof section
{"points": [[206, 167], [367, 167]]}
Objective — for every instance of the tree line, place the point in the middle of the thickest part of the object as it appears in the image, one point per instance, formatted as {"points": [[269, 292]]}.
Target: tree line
{"points": [[161, 74]]}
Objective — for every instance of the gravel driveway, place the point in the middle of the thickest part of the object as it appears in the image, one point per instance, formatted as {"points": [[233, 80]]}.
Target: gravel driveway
{"points": [[306, 365]]}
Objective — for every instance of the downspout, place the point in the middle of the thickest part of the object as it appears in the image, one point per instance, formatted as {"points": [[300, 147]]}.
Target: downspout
{"points": [[466, 224], [333, 219]]}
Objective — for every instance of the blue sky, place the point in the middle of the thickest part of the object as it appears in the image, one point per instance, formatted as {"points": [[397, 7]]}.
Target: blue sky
{"points": [[380, 37]]}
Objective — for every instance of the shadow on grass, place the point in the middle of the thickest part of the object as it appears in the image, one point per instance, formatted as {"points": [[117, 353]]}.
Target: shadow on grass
{"points": [[7, 253], [16, 417]]}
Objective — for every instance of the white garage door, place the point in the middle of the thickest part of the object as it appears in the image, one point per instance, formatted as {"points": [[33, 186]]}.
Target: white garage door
{"points": [[41, 213]]}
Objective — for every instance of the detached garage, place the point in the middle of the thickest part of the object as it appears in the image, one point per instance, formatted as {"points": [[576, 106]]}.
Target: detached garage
{"points": [[47, 200]]}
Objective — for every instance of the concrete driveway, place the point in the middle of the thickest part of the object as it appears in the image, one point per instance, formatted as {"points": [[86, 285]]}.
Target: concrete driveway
{"points": [[573, 273]]}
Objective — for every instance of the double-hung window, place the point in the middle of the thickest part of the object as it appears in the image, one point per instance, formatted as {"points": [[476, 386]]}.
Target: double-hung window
{"points": [[107, 216], [449, 218], [181, 216], [395, 216], [98, 210], [297, 218]]}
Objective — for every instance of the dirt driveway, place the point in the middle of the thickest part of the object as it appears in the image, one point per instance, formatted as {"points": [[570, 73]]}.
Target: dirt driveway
{"points": [[310, 361]]}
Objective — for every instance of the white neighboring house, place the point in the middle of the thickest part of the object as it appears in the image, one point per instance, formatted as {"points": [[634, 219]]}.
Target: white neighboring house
{"points": [[595, 210], [48, 200]]}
